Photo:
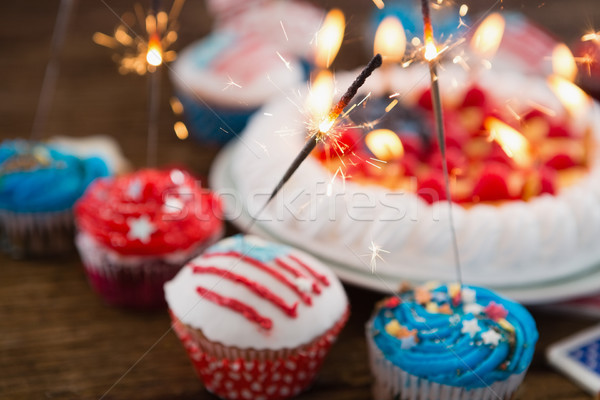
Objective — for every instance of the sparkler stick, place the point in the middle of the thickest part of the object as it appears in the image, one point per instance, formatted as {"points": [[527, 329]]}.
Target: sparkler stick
{"points": [[431, 54], [52, 68], [154, 58], [324, 128]]}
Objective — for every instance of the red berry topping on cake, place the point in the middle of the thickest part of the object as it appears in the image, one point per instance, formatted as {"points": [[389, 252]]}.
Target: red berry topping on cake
{"points": [[561, 161], [431, 189], [475, 97], [558, 131], [425, 100], [492, 184], [547, 181]]}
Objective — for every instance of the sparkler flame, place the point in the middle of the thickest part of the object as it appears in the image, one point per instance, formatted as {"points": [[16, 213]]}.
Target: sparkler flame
{"points": [[573, 98], [329, 38], [384, 144], [390, 40], [320, 97], [488, 36], [431, 51], [154, 53], [512, 142], [563, 62]]}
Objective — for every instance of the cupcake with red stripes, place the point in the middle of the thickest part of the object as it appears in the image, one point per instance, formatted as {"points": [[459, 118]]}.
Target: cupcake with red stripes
{"points": [[256, 318], [136, 231]]}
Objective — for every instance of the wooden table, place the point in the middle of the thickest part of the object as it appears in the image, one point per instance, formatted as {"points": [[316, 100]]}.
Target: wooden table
{"points": [[57, 339]]}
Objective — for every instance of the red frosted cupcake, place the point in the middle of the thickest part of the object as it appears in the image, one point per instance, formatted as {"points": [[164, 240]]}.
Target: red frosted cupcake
{"points": [[256, 318], [136, 231]]}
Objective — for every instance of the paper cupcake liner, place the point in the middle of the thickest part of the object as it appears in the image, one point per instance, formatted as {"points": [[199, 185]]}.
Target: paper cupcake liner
{"points": [[132, 281], [393, 383], [233, 373], [206, 123], [36, 234]]}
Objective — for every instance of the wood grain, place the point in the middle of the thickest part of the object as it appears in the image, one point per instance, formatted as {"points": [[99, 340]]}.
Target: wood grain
{"points": [[57, 339]]}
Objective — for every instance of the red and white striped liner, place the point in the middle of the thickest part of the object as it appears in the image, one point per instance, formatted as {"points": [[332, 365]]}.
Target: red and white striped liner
{"points": [[234, 373]]}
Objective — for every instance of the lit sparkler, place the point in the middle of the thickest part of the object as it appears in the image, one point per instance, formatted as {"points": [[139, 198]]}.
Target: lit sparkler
{"points": [[431, 54], [324, 128], [146, 54], [143, 54]]}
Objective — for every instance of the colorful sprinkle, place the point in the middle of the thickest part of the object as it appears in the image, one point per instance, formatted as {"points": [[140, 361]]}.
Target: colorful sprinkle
{"points": [[491, 337], [471, 327], [495, 311]]}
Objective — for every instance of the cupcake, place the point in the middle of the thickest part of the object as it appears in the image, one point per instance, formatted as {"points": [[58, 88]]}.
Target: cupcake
{"points": [[256, 318], [441, 342], [38, 187], [136, 231], [225, 78]]}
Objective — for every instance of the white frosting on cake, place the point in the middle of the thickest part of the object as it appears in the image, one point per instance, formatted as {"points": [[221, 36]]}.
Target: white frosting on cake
{"points": [[515, 243], [231, 70], [231, 328]]}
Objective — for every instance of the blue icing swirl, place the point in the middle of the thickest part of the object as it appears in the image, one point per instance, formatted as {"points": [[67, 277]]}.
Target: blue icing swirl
{"points": [[443, 351], [250, 246], [35, 177], [209, 49]]}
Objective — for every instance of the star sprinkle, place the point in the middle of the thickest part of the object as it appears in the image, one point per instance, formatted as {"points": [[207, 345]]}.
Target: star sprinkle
{"points": [[491, 337], [408, 342], [495, 311], [398, 331], [140, 228], [392, 302], [473, 308], [470, 326], [422, 295], [468, 296], [134, 191]]}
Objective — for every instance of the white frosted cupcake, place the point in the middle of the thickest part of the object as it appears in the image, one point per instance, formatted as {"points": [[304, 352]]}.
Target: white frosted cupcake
{"points": [[256, 318], [225, 78]]}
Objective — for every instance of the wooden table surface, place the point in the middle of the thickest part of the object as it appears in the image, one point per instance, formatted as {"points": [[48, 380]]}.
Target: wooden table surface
{"points": [[57, 339]]}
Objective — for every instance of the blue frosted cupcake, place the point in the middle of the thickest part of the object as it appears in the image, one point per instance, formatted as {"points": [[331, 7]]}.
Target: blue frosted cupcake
{"points": [[225, 78], [38, 187], [441, 342]]}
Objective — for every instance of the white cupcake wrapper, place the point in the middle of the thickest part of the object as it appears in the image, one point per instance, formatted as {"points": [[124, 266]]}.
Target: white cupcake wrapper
{"points": [[37, 233], [392, 383]]}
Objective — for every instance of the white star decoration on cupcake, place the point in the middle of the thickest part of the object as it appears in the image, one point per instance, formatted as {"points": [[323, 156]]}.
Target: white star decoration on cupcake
{"points": [[468, 296], [491, 337], [140, 228], [470, 326]]}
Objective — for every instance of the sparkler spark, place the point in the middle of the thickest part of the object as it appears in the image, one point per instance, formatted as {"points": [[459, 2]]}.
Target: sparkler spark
{"points": [[143, 54], [375, 255], [286, 62], [231, 83]]}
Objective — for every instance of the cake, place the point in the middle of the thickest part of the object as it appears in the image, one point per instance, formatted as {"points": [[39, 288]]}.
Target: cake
{"points": [[513, 241], [256, 318], [443, 342], [38, 186], [137, 230]]}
